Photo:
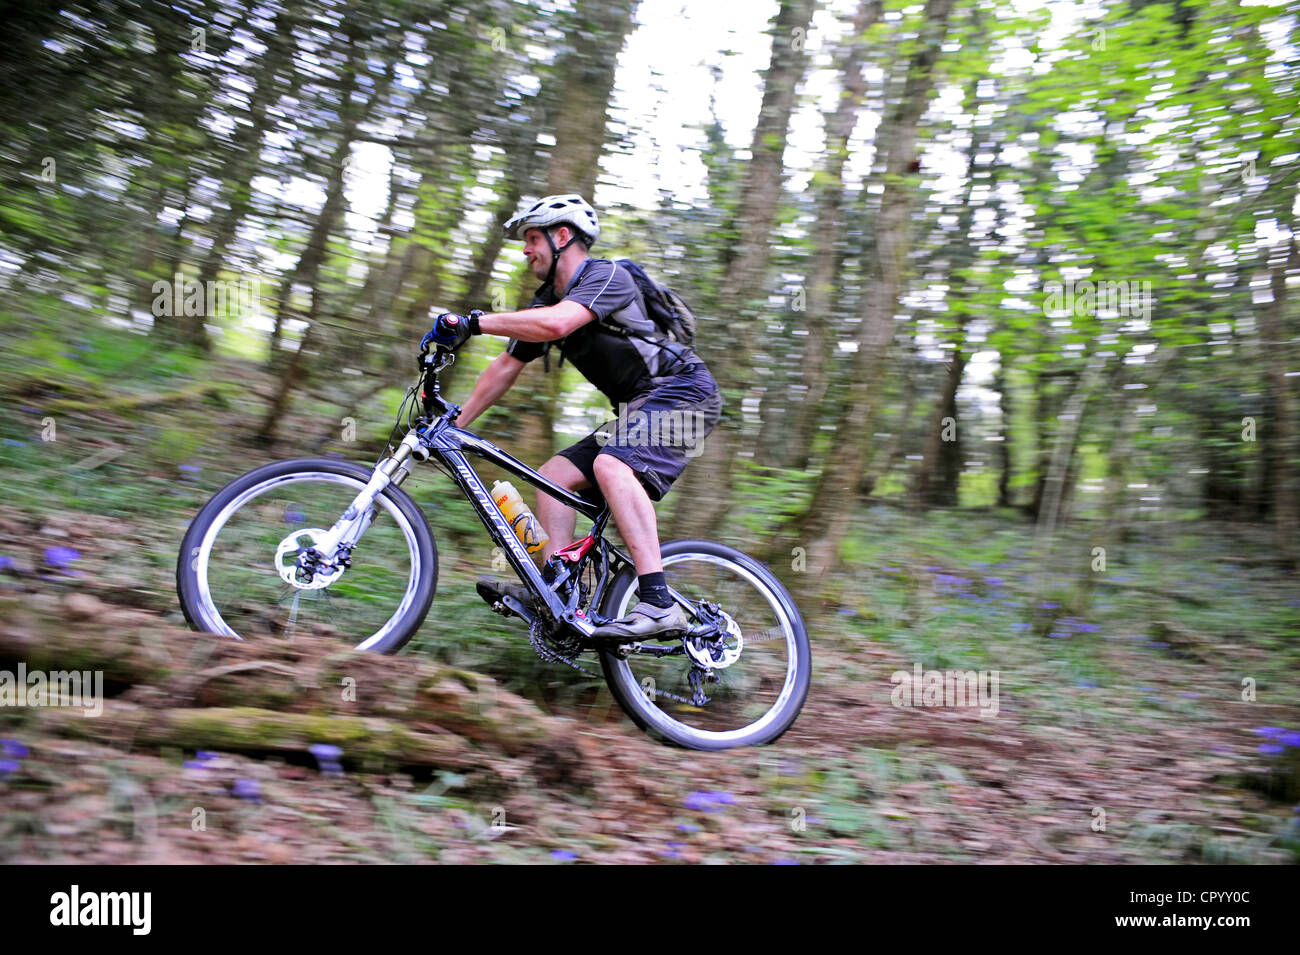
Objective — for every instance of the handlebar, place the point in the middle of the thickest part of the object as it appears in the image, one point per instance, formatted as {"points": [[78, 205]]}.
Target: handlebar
{"points": [[431, 365]]}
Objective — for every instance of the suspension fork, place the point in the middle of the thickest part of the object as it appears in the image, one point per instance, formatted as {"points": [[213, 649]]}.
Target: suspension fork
{"points": [[355, 521]]}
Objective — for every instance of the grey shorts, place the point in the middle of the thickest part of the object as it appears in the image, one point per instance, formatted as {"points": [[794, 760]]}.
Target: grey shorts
{"points": [[656, 434]]}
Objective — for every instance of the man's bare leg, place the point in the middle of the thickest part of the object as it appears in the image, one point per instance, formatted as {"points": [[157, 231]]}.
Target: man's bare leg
{"points": [[557, 517], [656, 614], [633, 512]]}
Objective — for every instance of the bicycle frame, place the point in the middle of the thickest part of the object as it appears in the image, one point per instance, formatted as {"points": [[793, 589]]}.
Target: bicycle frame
{"points": [[441, 439], [450, 445]]}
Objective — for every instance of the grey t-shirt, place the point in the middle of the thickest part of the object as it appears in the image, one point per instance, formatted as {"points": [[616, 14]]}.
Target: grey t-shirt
{"points": [[620, 368]]}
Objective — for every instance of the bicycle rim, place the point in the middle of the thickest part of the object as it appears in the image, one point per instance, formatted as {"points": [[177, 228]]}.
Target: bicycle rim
{"points": [[751, 695], [242, 593]]}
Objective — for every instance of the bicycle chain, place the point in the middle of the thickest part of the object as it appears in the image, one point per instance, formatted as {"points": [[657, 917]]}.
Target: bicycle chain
{"points": [[538, 640]]}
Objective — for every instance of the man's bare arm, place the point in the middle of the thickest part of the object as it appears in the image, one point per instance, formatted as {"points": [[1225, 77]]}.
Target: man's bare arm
{"points": [[495, 381], [544, 324]]}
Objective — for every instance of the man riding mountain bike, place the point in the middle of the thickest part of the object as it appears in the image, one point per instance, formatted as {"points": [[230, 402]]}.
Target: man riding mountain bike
{"points": [[594, 311]]}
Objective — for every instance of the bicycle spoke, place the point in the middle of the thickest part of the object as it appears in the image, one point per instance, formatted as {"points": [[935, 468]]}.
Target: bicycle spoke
{"points": [[245, 585], [749, 688]]}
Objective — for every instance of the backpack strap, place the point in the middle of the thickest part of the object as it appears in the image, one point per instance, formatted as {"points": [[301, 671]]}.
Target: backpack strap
{"points": [[625, 332]]}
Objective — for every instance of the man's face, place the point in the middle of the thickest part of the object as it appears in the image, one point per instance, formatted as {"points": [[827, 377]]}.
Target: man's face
{"points": [[538, 252]]}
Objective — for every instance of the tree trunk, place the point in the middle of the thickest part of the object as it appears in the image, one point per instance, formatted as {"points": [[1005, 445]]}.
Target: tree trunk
{"points": [[584, 81], [1279, 440], [802, 422], [821, 525], [236, 175], [704, 490], [934, 482], [308, 268], [1001, 385]]}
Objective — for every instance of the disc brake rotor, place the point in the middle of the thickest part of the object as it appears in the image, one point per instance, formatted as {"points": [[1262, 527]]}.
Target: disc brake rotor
{"points": [[295, 566], [718, 653]]}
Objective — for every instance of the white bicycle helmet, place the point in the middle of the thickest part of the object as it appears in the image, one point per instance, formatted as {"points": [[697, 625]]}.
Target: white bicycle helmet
{"points": [[571, 210]]}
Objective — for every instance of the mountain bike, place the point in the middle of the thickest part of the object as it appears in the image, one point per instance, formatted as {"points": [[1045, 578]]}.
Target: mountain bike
{"points": [[331, 548]]}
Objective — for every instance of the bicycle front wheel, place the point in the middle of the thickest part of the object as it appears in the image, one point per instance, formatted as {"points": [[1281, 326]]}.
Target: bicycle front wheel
{"points": [[754, 688], [235, 574]]}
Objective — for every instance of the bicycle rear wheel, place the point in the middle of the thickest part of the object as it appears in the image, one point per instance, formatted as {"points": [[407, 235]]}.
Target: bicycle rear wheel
{"points": [[761, 680], [234, 573]]}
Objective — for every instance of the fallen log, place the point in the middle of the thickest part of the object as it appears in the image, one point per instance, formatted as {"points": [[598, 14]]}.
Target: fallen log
{"points": [[207, 691], [369, 743]]}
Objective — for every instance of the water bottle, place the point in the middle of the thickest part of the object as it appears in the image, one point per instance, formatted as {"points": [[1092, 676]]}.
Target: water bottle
{"points": [[527, 528]]}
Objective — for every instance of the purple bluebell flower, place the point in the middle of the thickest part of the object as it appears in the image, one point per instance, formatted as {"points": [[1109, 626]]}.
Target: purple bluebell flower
{"points": [[784, 862], [709, 801], [247, 789], [15, 443], [195, 764], [8, 766], [11, 747], [328, 756], [1270, 749], [563, 855], [1088, 684], [61, 556], [205, 755], [294, 517], [698, 801], [1290, 739], [687, 827], [1273, 731], [6, 562]]}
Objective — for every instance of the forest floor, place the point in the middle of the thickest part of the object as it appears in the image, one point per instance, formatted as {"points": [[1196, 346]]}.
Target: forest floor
{"points": [[1147, 728]]}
